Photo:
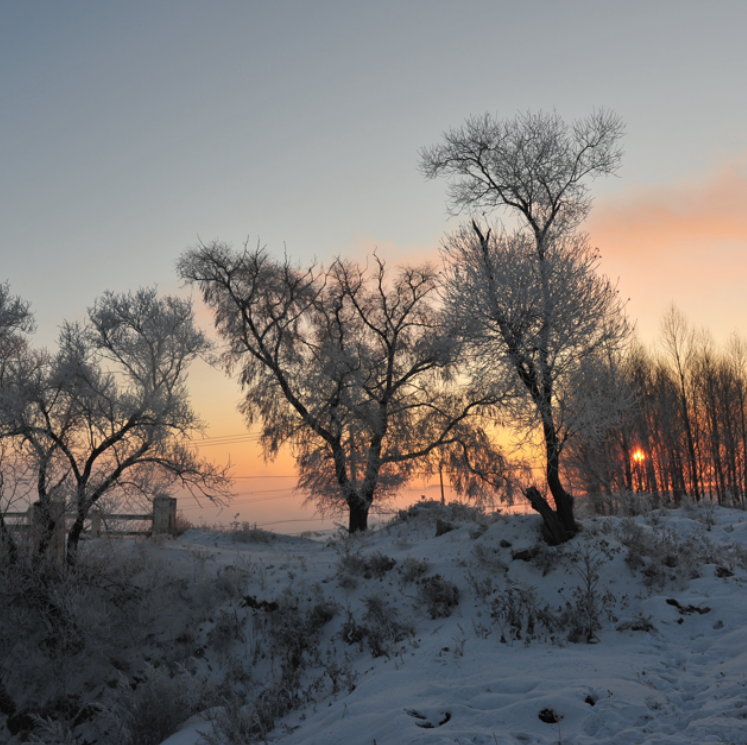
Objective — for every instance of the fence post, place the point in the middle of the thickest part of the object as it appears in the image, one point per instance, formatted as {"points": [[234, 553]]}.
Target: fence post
{"points": [[95, 522], [164, 514], [56, 547]]}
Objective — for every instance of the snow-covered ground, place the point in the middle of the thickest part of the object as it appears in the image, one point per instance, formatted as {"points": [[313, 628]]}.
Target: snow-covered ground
{"points": [[655, 607]]}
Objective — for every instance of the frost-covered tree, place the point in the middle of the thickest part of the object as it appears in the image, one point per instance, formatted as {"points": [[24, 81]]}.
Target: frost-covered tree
{"points": [[535, 166], [353, 368], [16, 322], [109, 412], [530, 303]]}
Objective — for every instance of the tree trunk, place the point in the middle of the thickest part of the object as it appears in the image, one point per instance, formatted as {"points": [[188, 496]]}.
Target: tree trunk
{"points": [[358, 516], [563, 504], [73, 538], [625, 444], [552, 525], [560, 525], [6, 541], [693, 462]]}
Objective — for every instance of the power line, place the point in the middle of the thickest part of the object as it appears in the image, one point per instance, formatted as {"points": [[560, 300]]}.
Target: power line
{"points": [[224, 441], [258, 500], [284, 476], [299, 520]]}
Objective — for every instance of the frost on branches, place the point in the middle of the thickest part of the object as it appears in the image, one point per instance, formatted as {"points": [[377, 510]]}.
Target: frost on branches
{"points": [[352, 367], [107, 415], [529, 303]]}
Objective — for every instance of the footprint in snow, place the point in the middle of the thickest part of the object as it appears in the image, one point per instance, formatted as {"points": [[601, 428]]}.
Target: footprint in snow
{"points": [[427, 722]]}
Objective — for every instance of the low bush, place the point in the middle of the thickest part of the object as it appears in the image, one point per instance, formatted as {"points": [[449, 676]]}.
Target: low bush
{"points": [[582, 616], [351, 565], [105, 651], [248, 533], [438, 595], [381, 627], [148, 713], [521, 616], [412, 570], [488, 558], [663, 556]]}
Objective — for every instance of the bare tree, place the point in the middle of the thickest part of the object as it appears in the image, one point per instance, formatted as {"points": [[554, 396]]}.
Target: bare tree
{"points": [[678, 341], [531, 304], [689, 393], [109, 412], [352, 368], [534, 165], [737, 358], [601, 442]]}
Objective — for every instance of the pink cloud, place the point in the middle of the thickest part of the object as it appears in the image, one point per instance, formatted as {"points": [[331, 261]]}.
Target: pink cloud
{"points": [[684, 243], [706, 209]]}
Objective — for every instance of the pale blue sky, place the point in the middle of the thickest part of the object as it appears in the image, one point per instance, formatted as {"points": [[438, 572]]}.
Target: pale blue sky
{"points": [[128, 129]]}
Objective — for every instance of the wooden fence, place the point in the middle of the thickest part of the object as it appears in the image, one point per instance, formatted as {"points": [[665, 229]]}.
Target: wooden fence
{"points": [[162, 519]]}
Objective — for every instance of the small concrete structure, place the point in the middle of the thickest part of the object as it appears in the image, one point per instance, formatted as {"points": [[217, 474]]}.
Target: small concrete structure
{"points": [[164, 514]]}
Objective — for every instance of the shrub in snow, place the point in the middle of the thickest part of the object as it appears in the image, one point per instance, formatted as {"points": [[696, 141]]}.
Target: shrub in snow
{"points": [[351, 565], [583, 613], [429, 511], [412, 570], [232, 722], [248, 533], [230, 581], [378, 565], [488, 558], [235, 720], [149, 713], [381, 627], [52, 732], [438, 595], [228, 629], [342, 675], [293, 629], [74, 642], [481, 584], [520, 615], [664, 556]]}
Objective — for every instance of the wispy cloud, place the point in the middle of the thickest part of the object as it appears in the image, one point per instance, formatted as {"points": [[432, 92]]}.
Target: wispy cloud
{"points": [[684, 243], [711, 207]]}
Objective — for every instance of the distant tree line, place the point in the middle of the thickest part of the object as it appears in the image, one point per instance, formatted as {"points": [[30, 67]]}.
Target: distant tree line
{"points": [[686, 433]]}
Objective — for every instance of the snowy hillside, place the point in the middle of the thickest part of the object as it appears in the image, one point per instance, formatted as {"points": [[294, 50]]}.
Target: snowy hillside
{"points": [[634, 632], [411, 664]]}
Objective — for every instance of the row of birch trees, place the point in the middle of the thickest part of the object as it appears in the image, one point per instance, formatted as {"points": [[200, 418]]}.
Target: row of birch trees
{"points": [[686, 435]]}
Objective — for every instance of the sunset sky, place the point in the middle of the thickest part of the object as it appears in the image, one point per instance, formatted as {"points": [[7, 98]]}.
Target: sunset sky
{"points": [[130, 130]]}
